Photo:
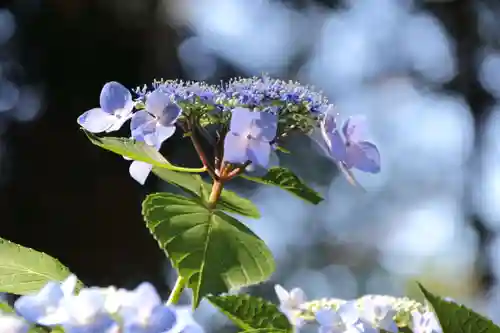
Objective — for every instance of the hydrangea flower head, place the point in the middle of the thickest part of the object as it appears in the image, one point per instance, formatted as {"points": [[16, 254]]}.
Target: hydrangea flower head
{"points": [[44, 307], [116, 106], [250, 136]]}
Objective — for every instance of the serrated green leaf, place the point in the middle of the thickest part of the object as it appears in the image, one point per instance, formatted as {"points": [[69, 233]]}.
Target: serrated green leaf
{"points": [[138, 151], [287, 180], [213, 251], [24, 270], [251, 313], [228, 201], [456, 318]]}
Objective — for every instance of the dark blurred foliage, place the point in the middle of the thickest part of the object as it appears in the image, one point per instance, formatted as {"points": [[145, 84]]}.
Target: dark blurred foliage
{"points": [[76, 202]]}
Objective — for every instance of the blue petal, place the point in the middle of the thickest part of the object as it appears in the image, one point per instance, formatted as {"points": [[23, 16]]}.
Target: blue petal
{"points": [[170, 114], [114, 97], [336, 145], [34, 307], [332, 139], [355, 129], [235, 149], [363, 156], [162, 319], [259, 125], [96, 120], [142, 124], [349, 313], [259, 152], [161, 134], [156, 103], [140, 171]]}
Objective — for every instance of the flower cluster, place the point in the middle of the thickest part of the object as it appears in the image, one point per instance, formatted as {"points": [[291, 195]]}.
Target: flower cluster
{"points": [[250, 117], [370, 313], [98, 310]]}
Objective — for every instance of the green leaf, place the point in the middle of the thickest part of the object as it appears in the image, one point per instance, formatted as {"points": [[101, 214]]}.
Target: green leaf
{"points": [[24, 270], [288, 181], [138, 151], [456, 318], [251, 313], [6, 308], [213, 251], [228, 201]]}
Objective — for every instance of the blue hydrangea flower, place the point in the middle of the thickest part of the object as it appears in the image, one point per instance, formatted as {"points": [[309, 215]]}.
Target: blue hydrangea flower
{"points": [[44, 307], [353, 151], [185, 322], [145, 313], [344, 320], [157, 123], [116, 108], [249, 138], [425, 322], [86, 313], [10, 323], [290, 303], [378, 312]]}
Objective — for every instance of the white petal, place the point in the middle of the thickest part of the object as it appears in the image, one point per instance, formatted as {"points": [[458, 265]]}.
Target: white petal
{"points": [[96, 120], [119, 121], [140, 171], [282, 293], [68, 285], [298, 296]]}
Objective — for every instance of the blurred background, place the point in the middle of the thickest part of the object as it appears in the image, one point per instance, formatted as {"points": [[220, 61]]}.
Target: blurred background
{"points": [[426, 74]]}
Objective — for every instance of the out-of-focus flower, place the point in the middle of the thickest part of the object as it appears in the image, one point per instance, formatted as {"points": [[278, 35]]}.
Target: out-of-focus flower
{"points": [[10, 323], [290, 303], [425, 322], [145, 313], [250, 136], [86, 313], [44, 307], [353, 151], [116, 108], [343, 320], [379, 313]]}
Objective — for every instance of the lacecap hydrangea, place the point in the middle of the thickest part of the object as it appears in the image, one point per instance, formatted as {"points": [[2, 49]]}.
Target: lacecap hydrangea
{"points": [[244, 121]]}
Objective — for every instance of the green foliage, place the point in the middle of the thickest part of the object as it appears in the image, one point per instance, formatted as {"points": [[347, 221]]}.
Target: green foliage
{"points": [[252, 313], [456, 318], [228, 201], [6, 308], [211, 250], [24, 270], [137, 151], [287, 180]]}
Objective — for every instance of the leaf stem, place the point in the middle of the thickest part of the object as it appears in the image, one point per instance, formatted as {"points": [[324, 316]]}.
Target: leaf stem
{"points": [[209, 168], [177, 291], [217, 186]]}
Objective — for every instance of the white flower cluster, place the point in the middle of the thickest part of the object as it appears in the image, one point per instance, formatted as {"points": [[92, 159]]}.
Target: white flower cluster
{"points": [[370, 313]]}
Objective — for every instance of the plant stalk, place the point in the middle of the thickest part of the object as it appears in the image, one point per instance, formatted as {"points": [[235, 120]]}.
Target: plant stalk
{"points": [[177, 291]]}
